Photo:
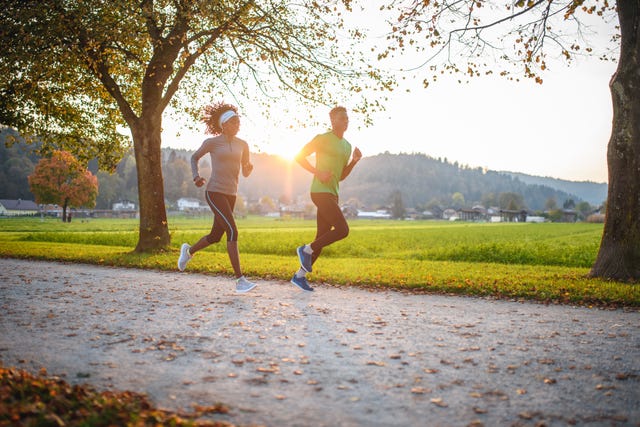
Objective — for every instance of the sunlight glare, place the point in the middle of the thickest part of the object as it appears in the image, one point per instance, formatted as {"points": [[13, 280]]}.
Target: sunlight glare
{"points": [[283, 143]]}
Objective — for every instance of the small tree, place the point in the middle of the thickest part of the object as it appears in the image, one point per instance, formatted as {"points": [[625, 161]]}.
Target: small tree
{"points": [[62, 180], [397, 205], [511, 201], [457, 200]]}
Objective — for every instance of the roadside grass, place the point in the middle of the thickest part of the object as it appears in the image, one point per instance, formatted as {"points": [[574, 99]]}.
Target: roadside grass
{"points": [[540, 262]]}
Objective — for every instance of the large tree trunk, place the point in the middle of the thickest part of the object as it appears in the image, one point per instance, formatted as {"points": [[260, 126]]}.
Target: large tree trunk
{"points": [[619, 254], [154, 230]]}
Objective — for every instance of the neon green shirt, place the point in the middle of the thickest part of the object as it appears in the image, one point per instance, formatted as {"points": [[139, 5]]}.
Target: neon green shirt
{"points": [[332, 154]]}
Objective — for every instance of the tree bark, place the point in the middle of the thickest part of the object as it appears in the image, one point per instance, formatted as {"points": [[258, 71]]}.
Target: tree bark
{"points": [[154, 230], [619, 254]]}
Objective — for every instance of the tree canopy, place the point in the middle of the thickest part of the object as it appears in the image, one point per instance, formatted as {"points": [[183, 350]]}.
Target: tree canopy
{"points": [[75, 73], [471, 37], [515, 39]]}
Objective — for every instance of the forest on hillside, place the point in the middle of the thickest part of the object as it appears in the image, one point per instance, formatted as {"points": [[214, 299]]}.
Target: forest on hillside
{"points": [[416, 180]]}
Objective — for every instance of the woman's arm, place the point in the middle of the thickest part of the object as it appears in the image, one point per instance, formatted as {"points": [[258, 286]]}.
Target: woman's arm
{"points": [[195, 158], [247, 167]]}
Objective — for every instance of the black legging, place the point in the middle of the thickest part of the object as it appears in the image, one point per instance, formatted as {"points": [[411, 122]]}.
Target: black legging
{"points": [[331, 225], [223, 222]]}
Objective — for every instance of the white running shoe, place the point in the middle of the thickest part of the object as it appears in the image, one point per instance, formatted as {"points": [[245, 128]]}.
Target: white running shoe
{"points": [[243, 285], [185, 256]]}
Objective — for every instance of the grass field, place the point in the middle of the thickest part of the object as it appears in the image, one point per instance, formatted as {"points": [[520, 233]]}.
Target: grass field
{"points": [[543, 262]]}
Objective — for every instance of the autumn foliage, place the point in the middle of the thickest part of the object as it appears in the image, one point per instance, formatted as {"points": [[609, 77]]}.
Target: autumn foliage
{"points": [[30, 400], [62, 180]]}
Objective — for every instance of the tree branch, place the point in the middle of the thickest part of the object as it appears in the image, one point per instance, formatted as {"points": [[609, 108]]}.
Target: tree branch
{"points": [[213, 36]]}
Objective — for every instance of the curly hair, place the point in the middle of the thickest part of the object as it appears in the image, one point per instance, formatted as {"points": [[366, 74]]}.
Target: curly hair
{"points": [[211, 116]]}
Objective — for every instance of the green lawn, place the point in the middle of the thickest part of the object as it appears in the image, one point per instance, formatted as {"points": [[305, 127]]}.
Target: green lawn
{"points": [[544, 262]]}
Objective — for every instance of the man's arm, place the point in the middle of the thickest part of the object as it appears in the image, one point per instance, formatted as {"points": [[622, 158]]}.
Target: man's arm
{"points": [[301, 158], [357, 155]]}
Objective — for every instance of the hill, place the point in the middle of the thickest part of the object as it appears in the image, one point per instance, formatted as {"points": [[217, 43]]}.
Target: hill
{"points": [[423, 180], [593, 192], [420, 180]]}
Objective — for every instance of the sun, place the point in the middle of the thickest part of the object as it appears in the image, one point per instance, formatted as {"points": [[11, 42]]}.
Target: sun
{"points": [[282, 144]]}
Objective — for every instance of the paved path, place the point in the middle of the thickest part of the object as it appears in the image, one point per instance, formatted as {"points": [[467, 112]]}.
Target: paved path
{"points": [[336, 357]]}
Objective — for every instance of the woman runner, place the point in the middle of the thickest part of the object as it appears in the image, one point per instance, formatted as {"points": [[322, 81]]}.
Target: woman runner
{"points": [[228, 154]]}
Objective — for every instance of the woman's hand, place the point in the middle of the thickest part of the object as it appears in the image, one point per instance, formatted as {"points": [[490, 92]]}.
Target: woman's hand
{"points": [[199, 181], [247, 168]]}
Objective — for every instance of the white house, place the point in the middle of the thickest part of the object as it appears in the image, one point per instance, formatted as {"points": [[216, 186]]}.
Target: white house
{"points": [[379, 214], [189, 204], [18, 207], [124, 205]]}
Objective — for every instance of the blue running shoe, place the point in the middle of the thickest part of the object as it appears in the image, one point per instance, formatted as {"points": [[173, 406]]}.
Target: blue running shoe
{"points": [[302, 283], [305, 259]]}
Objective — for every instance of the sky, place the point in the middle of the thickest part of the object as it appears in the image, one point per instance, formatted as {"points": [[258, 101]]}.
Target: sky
{"points": [[558, 129]]}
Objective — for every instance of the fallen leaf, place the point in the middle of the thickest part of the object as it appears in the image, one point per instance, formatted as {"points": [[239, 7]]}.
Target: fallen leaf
{"points": [[438, 402]]}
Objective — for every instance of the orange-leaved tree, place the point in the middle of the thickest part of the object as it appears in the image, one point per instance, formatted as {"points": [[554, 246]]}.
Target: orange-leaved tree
{"points": [[61, 179]]}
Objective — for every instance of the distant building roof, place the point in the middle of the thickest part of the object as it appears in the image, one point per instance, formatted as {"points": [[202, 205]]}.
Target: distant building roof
{"points": [[19, 205]]}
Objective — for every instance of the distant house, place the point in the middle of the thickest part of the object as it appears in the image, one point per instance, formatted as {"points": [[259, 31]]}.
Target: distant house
{"points": [[569, 215], [536, 219], [124, 205], [18, 207], [513, 215], [477, 213], [450, 214], [379, 214], [190, 204]]}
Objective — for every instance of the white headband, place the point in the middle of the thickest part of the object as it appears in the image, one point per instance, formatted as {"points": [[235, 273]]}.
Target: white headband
{"points": [[224, 117]]}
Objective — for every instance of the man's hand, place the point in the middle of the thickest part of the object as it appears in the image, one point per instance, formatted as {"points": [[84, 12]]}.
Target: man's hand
{"points": [[324, 176], [357, 155]]}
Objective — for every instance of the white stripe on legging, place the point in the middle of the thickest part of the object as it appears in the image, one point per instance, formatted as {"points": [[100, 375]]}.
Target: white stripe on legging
{"points": [[220, 212]]}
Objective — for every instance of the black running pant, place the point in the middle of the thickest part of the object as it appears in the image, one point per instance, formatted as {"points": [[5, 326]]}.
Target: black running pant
{"points": [[223, 222], [331, 224]]}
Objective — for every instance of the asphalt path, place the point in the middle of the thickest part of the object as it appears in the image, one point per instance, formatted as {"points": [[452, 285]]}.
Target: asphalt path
{"points": [[278, 356]]}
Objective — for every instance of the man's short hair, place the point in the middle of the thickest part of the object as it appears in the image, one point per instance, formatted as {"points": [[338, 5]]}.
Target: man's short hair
{"points": [[335, 110]]}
